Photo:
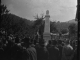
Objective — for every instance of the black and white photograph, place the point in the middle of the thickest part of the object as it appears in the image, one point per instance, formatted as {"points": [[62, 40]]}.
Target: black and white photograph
{"points": [[39, 30]]}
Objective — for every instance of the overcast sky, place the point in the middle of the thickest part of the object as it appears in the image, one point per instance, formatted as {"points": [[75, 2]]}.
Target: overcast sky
{"points": [[59, 10]]}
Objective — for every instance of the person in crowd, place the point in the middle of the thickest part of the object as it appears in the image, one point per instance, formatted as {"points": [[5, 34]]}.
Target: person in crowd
{"points": [[75, 57], [35, 42], [49, 44], [60, 48], [7, 50], [1, 50], [42, 52], [31, 51], [16, 52], [25, 42], [67, 51], [74, 44], [17, 39], [53, 51]]}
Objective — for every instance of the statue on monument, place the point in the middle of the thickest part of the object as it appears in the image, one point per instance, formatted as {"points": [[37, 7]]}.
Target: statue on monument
{"points": [[47, 12]]}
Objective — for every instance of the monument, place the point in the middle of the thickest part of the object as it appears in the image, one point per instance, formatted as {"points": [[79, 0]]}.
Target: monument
{"points": [[46, 34]]}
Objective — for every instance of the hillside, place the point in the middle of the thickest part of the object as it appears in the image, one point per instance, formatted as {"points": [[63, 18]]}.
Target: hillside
{"points": [[64, 25], [72, 21], [15, 18], [15, 25]]}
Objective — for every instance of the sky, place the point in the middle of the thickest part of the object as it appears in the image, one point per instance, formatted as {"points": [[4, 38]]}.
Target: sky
{"points": [[59, 10]]}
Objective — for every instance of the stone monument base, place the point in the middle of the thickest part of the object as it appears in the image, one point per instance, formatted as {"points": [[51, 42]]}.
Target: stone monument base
{"points": [[46, 37]]}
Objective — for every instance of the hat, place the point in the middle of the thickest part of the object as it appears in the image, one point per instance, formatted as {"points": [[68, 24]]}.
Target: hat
{"points": [[54, 42], [41, 42]]}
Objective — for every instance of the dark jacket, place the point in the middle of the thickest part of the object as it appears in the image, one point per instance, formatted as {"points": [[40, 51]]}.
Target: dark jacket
{"points": [[42, 53], [53, 53], [32, 53]]}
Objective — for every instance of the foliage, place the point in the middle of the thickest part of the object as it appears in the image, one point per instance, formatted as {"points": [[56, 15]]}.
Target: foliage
{"points": [[72, 29], [63, 31], [4, 10], [53, 27], [38, 24], [41, 29], [62, 25], [15, 25]]}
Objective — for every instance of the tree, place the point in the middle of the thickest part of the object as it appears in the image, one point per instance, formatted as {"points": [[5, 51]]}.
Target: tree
{"points": [[4, 9], [41, 29], [37, 17], [63, 31], [53, 27], [38, 22], [72, 30]]}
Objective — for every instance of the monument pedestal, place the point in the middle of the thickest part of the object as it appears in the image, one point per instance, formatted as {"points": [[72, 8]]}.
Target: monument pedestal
{"points": [[46, 37]]}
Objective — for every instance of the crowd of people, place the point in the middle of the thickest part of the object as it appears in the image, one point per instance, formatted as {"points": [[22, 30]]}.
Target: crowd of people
{"points": [[14, 48]]}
